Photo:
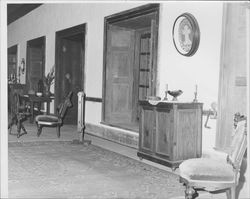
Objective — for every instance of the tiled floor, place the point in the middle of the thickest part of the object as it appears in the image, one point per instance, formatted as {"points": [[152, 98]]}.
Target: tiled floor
{"points": [[69, 133]]}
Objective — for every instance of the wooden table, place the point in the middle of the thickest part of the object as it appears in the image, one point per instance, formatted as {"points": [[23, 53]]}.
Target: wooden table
{"points": [[35, 99]]}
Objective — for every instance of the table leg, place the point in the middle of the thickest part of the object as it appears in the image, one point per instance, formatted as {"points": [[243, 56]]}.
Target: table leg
{"points": [[48, 107], [39, 107], [32, 111]]}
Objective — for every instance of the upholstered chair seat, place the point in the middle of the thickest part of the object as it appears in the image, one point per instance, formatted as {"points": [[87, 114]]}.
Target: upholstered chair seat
{"points": [[216, 170], [48, 119], [207, 169], [54, 120]]}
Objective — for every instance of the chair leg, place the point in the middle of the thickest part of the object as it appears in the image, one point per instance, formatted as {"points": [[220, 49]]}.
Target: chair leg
{"points": [[190, 193], [12, 122], [24, 130], [58, 131], [39, 130], [231, 192], [18, 128]]}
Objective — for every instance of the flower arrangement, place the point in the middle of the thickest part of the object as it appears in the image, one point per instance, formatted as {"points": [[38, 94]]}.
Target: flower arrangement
{"points": [[48, 80]]}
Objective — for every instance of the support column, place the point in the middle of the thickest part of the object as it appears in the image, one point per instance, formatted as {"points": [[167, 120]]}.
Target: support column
{"points": [[232, 96], [233, 81]]}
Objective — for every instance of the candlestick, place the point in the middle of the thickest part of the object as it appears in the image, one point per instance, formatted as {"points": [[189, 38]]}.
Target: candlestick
{"points": [[166, 93], [195, 94]]}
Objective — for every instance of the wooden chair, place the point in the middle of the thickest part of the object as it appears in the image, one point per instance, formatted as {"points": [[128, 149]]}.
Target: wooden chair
{"points": [[54, 120], [214, 174], [20, 111]]}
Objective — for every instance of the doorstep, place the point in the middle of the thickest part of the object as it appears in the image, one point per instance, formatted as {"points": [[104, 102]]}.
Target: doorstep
{"points": [[123, 137]]}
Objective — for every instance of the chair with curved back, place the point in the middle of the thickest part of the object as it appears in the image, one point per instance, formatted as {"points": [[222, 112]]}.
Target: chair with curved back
{"points": [[217, 172], [20, 111], [54, 120]]}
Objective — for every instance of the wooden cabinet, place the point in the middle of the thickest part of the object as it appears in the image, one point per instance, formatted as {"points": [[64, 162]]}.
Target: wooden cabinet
{"points": [[170, 132]]}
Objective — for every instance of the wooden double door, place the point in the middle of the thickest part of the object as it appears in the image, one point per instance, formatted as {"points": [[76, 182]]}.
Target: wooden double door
{"points": [[130, 68], [35, 63]]}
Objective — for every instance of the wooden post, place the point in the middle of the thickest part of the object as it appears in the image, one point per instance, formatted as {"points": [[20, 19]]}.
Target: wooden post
{"points": [[232, 79], [81, 118]]}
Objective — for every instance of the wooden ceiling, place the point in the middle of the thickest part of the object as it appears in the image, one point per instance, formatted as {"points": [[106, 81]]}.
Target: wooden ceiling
{"points": [[16, 11]]}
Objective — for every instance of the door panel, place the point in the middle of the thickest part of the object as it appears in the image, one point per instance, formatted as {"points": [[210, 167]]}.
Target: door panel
{"points": [[119, 78], [148, 119], [144, 64], [12, 63], [127, 57], [70, 75], [163, 130], [187, 134], [35, 64]]}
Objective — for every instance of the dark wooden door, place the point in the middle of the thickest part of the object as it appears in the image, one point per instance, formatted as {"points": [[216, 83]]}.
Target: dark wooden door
{"points": [[70, 72], [119, 75], [35, 63], [12, 64]]}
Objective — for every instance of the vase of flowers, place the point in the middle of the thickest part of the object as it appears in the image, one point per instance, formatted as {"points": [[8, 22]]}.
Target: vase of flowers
{"points": [[48, 80]]}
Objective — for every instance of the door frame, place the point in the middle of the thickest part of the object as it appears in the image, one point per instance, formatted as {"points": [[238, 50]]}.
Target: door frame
{"points": [[29, 43], [127, 14], [59, 36]]}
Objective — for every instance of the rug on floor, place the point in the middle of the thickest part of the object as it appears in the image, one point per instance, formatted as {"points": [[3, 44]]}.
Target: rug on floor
{"points": [[67, 170]]}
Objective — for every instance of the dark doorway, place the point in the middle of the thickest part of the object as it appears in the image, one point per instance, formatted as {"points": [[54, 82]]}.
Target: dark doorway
{"points": [[35, 63], [129, 64], [12, 64], [70, 50]]}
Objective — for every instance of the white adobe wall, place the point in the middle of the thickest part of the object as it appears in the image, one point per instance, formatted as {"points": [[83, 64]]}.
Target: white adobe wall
{"points": [[181, 72], [177, 71], [49, 18]]}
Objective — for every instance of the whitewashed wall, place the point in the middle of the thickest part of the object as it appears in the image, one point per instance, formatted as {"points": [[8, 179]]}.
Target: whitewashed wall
{"points": [[49, 18], [177, 71], [181, 72]]}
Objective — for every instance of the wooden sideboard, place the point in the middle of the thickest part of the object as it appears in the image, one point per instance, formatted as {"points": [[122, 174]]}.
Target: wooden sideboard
{"points": [[170, 132]]}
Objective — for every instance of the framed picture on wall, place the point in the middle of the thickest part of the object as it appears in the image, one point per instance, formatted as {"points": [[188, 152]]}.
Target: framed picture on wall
{"points": [[186, 34]]}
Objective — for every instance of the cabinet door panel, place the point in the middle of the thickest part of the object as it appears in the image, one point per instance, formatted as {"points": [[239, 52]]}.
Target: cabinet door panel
{"points": [[186, 134], [163, 129], [148, 117]]}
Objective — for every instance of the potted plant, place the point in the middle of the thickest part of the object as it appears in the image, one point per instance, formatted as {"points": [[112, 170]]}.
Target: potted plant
{"points": [[48, 80]]}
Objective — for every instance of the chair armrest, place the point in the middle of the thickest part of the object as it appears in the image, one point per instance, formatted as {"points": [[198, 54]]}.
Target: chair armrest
{"points": [[229, 161]]}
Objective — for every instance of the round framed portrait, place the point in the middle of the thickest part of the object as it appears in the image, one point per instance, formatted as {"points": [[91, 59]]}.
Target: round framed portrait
{"points": [[186, 34]]}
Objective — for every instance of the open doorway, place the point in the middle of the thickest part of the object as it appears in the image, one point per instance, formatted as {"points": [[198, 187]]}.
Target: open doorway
{"points": [[12, 64], [70, 47], [35, 63], [129, 64]]}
